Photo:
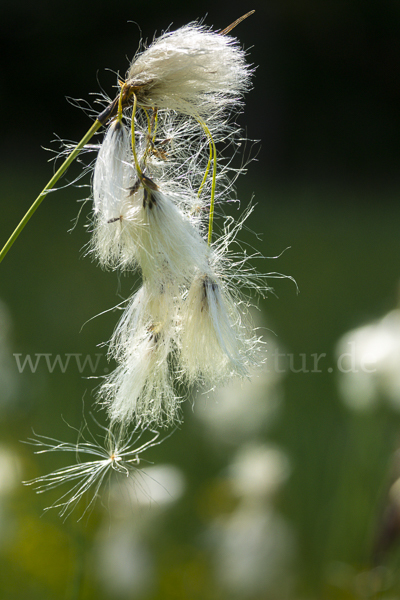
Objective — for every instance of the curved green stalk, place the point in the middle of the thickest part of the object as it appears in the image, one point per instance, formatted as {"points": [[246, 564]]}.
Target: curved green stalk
{"points": [[148, 121], [96, 125], [119, 113], [213, 157], [151, 135], [155, 119], [207, 168], [138, 169]]}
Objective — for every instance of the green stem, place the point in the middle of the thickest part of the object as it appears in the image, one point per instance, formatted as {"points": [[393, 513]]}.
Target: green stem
{"points": [[214, 176], [213, 155], [207, 168], [135, 158], [96, 125]]}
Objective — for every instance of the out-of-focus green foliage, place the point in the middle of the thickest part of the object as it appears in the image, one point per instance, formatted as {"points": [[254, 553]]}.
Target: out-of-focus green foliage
{"points": [[324, 515]]}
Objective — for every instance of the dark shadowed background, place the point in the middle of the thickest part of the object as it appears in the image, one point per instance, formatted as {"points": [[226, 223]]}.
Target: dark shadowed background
{"points": [[294, 503]]}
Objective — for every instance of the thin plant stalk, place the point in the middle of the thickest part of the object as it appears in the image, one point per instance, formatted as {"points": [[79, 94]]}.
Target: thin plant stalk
{"points": [[96, 125], [138, 169], [213, 156]]}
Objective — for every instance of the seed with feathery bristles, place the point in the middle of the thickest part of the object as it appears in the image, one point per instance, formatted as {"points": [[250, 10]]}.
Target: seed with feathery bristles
{"points": [[112, 451]]}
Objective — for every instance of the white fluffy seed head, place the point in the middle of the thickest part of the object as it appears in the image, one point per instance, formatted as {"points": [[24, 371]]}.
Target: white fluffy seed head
{"points": [[143, 344], [115, 214], [217, 338], [169, 244], [138, 223], [141, 386], [152, 308], [112, 172], [192, 70], [215, 343]]}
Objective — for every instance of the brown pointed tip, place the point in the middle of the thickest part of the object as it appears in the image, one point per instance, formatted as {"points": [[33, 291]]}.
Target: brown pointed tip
{"points": [[233, 25], [109, 112]]}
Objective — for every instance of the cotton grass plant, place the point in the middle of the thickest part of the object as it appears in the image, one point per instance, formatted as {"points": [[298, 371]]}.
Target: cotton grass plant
{"points": [[159, 184]]}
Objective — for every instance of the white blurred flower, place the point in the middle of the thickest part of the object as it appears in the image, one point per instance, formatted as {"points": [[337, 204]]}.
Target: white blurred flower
{"points": [[160, 486], [253, 550], [253, 546], [10, 478], [369, 363], [10, 470], [258, 471], [123, 563], [123, 557], [242, 408]]}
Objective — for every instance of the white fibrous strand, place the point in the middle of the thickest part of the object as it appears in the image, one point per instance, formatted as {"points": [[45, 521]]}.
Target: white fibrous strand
{"points": [[193, 70], [97, 457]]}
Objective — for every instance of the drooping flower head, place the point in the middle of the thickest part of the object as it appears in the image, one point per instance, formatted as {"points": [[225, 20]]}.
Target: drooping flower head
{"points": [[188, 322]]}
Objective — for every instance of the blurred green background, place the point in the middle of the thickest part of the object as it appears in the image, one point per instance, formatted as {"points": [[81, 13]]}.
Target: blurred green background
{"points": [[278, 489]]}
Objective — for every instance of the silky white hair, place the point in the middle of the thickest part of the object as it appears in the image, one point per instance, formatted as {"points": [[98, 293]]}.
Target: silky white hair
{"points": [[192, 70]]}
